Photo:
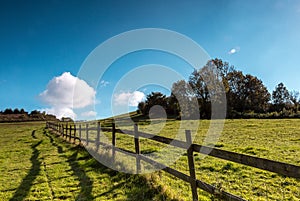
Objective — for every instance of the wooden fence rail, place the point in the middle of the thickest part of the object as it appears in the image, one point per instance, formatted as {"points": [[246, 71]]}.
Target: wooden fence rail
{"points": [[71, 132]]}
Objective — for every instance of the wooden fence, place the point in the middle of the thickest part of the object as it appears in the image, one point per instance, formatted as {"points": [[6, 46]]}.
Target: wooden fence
{"points": [[72, 132]]}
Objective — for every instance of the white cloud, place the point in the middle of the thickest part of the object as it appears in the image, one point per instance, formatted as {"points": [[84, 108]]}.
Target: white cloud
{"points": [[129, 98], [60, 112], [89, 114], [234, 50], [65, 92]]}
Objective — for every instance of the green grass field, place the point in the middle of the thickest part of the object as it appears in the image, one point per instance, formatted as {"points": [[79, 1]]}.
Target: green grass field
{"points": [[37, 165], [277, 140]]}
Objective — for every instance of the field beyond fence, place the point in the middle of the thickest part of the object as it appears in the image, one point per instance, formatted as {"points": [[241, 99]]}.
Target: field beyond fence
{"points": [[82, 134]]}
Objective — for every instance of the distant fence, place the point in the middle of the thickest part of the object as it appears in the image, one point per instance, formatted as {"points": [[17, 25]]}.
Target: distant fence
{"points": [[70, 132]]}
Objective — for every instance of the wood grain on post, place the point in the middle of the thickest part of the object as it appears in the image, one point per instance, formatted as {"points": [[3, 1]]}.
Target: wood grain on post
{"points": [[70, 133], [66, 134], [75, 134], [87, 134], [97, 141], [80, 131], [113, 140], [191, 165], [64, 130], [137, 148]]}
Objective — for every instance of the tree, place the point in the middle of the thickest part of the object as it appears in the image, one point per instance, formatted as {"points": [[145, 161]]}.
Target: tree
{"points": [[235, 94], [247, 93], [257, 94], [35, 112], [8, 111], [223, 67], [153, 99], [22, 111], [200, 91], [141, 107], [182, 102], [210, 85], [280, 97], [294, 98], [16, 111]]}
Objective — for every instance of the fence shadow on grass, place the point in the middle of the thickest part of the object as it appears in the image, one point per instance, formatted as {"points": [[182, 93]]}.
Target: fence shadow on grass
{"points": [[132, 186], [24, 188], [33, 134], [85, 183]]}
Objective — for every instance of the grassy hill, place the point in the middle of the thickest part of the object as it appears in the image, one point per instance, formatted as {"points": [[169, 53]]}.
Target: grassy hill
{"points": [[36, 165]]}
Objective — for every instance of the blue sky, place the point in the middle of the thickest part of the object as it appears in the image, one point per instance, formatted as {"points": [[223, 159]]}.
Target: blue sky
{"points": [[41, 40]]}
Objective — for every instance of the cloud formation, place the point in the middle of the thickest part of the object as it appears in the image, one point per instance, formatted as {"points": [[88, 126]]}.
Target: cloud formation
{"points": [[65, 93], [234, 50], [89, 114], [60, 112], [129, 98]]}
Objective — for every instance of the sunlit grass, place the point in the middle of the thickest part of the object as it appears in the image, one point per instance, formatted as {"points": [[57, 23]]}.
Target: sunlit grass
{"points": [[40, 166], [274, 139], [277, 140], [37, 165]]}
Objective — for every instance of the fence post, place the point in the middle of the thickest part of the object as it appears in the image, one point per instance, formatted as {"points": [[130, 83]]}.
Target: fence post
{"points": [[80, 131], [74, 134], [87, 134], [66, 134], [191, 164], [61, 129], [70, 133], [113, 140], [137, 148], [97, 142]]}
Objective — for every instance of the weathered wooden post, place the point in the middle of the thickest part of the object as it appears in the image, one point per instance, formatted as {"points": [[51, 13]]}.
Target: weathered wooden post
{"points": [[87, 134], [70, 133], [191, 165], [59, 129], [113, 140], [66, 133], [63, 130], [80, 131], [137, 148], [97, 141], [74, 134]]}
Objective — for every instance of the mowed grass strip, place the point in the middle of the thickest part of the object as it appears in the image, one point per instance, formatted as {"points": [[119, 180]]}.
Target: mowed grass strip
{"points": [[37, 165]]}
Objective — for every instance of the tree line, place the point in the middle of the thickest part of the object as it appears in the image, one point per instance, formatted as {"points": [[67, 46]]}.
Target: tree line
{"points": [[245, 96], [18, 115]]}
